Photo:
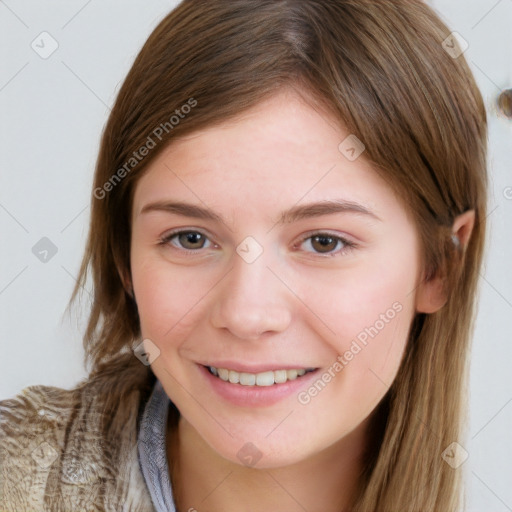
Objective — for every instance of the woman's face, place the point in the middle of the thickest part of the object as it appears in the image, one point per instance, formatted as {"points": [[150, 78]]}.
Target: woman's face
{"points": [[264, 246]]}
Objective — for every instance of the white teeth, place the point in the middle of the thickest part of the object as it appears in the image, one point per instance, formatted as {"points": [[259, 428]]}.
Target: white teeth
{"points": [[292, 374], [268, 378], [265, 379], [247, 379], [280, 376]]}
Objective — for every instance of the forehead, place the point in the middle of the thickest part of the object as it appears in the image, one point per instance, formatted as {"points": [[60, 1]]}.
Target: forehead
{"points": [[282, 151]]}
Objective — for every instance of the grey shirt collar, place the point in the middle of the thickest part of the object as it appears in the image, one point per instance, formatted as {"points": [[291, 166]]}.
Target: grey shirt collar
{"points": [[152, 449]]}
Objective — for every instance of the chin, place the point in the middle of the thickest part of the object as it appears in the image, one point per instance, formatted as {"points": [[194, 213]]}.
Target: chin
{"points": [[261, 454]]}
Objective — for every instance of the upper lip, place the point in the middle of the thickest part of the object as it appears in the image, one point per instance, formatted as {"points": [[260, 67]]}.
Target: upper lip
{"points": [[255, 368]]}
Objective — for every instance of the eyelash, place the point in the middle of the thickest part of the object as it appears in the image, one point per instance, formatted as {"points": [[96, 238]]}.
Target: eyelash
{"points": [[348, 245]]}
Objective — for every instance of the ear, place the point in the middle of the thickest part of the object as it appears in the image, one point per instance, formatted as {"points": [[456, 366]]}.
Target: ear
{"points": [[463, 227], [431, 293]]}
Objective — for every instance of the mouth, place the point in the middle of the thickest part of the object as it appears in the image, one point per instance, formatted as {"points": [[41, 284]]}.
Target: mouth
{"points": [[261, 379]]}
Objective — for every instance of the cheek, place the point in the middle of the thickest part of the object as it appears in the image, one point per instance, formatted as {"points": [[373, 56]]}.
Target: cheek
{"points": [[352, 301], [371, 336], [368, 310], [168, 298]]}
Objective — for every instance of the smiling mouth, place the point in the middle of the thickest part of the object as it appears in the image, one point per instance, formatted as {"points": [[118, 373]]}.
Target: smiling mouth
{"points": [[268, 378]]}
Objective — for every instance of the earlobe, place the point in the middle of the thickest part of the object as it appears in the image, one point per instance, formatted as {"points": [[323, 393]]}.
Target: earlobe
{"points": [[431, 294]]}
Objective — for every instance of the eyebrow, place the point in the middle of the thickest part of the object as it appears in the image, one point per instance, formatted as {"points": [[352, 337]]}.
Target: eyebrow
{"points": [[294, 214]]}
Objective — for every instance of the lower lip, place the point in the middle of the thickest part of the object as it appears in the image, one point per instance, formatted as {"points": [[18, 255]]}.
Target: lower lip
{"points": [[256, 396]]}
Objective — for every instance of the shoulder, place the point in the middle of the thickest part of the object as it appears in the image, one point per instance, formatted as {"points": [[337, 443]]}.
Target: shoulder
{"points": [[76, 449]]}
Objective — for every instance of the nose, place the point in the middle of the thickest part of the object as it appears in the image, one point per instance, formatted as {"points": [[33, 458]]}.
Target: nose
{"points": [[251, 300]]}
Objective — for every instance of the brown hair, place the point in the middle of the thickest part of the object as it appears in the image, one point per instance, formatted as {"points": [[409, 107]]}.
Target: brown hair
{"points": [[381, 68]]}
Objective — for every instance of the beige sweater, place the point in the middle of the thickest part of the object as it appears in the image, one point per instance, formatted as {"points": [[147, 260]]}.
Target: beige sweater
{"points": [[76, 450]]}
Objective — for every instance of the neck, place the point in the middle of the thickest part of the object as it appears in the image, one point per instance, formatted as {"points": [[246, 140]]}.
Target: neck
{"points": [[203, 480]]}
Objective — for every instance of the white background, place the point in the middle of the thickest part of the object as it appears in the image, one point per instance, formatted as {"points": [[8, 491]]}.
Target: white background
{"points": [[52, 112]]}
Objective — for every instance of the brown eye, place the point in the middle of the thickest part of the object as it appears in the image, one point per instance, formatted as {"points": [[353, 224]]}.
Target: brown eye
{"points": [[327, 244], [324, 243]]}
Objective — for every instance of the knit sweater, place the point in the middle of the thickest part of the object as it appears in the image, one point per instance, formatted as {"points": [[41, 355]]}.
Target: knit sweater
{"points": [[65, 450]]}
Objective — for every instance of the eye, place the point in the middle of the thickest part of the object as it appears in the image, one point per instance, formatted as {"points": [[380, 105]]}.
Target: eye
{"points": [[188, 240], [326, 243], [321, 243]]}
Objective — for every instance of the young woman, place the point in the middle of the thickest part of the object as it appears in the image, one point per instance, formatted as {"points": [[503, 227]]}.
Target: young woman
{"points": [[288, 219]]}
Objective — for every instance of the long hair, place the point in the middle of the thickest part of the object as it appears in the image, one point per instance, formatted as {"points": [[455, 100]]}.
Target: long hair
{"points": [[382, 68]]}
